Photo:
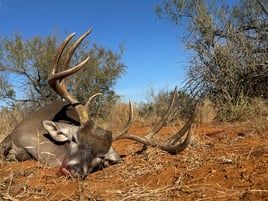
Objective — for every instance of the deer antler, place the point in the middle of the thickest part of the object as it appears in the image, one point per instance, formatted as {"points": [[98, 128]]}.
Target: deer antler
{"points": [[57, 82], [171, 144], [57, 79]]}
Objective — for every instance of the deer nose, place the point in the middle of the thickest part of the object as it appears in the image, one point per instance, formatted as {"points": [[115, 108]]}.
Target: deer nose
{"points": [[79, 172]]}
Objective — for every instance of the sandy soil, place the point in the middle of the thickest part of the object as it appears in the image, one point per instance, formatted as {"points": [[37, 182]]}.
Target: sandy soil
{"points": [[223, 162]]}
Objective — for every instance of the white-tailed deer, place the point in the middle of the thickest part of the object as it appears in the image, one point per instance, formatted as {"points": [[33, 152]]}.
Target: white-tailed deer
{"points": [[62, 134]]}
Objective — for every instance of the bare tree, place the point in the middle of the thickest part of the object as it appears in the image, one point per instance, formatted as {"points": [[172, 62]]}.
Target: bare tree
{"points": [[229, 45]]}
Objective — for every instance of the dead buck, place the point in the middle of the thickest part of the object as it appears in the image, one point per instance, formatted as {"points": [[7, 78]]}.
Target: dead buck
{"points": [[62, 134]]}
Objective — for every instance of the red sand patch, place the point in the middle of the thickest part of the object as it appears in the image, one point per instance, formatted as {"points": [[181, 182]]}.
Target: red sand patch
{"points": [[223, 162]]}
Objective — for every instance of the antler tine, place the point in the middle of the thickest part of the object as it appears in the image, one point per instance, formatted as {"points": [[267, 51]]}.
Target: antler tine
{"points": [[87, 105], [72, 50], [128, 124], [92, 97], [173, 139], [56, 61], [155, 129], [61, 75], [54, 76], [59, 52], [164, 118]]}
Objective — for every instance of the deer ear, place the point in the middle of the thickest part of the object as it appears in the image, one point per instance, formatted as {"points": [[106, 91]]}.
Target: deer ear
{"points": [[54, 131]]}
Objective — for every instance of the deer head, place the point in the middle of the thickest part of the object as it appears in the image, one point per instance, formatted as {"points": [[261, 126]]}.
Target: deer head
{"points": [[88, 144]]}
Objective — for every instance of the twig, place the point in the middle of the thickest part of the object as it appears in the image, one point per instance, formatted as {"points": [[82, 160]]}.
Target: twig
{"points": [[10, 182], [259, 191], [251, 150]]}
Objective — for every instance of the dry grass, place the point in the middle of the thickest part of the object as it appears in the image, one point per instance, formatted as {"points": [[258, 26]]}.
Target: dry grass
{"points": [[245, 109], [8, 120], [223, 162], [207, 112], [215, 167], [118, 116]]}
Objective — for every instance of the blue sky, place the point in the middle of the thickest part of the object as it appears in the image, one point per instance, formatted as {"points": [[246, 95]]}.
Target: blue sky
{"points": [[155, 56]]}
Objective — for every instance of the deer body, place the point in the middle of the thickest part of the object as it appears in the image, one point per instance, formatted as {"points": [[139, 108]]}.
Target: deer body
{"points": [[30, 140], [62, 134]]}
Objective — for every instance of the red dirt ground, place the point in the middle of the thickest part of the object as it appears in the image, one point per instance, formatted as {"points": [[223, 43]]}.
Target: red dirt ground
{"points": [[223, 162]]}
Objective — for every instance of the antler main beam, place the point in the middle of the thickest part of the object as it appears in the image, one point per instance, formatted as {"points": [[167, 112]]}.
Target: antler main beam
{"points": [[172, 144]]}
